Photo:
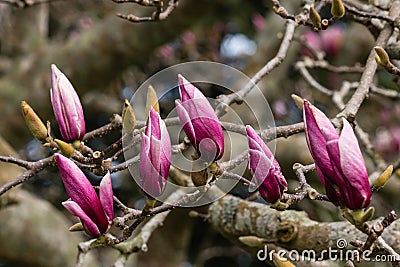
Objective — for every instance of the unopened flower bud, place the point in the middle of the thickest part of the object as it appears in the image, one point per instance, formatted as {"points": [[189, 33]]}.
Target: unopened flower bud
{"points": [[315, 18], [298, 101], [338, 160], [152, 100], [199, 121], [96, 212], [383, 57], [252, 241], [384, 177], [155, 156], [128, 117], [337, 9], [66, 106], [34, 123], [265, 169], [65, 148], [76, 227]]}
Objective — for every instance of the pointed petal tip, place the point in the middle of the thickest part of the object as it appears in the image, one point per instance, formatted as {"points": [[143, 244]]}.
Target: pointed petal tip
{"points": [[181, 79], [55, 70], [90, 227], [186, 89], [250, 131], [107, 196], [58, 157], [153, 114]]}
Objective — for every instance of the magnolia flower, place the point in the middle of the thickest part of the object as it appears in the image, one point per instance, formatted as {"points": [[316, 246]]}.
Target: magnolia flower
{"points": [[338, 159], [155, 156], [264, 168], [199, 121], [66, 106], [96, 214]]}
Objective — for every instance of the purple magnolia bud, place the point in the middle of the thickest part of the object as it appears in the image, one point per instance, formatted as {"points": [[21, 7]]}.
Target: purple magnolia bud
{"points": [[66, 106], [96, 214], [199, 121], [264, 168], [344, 186], [155, 156], [349, 166]]}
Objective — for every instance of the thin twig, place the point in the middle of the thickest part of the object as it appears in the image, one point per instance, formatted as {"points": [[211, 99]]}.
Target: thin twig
{"points": [[35, 167], [354, 104], [272, 64]]}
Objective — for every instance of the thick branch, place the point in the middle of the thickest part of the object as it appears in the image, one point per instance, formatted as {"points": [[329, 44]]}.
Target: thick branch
{"points": [[234, 217]]}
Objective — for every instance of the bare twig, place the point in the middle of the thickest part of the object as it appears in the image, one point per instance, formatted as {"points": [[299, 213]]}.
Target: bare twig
{"points": [[35, 167], [116, 123], [301, 67], [159, 14], [362, 91], [273, 63]]}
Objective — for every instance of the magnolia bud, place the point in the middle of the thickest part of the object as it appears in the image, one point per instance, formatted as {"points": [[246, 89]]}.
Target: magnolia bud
{"points": [[264, 168], [65, 148], [337, 9], [384, 177], [128, 117], [315, 18], [66, 106], [155, 156], [152, 100], [34, 123], [338, 159], [199, 121], [76, 227], [96, 212], [383, 57], [298, 101]]}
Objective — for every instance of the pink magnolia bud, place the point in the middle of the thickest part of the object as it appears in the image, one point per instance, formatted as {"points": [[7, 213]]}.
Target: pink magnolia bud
{"points": [[314, 41], [332, 40], [264, 168], [338, 160], [155, 156], [199, 121], [66, 106], [96, 213], [329, 41]]}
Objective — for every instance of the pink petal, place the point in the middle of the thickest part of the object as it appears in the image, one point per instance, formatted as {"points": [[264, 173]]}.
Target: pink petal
{"points": [[186, 89], [166, 150], [149, 173], [81, 191], [316, 139], [257, 142], [106, 196], [351, 159], [89, 225], [353, 166], [186, 122], [205, 123], [153, 124], [260, 166], [270, 190]]}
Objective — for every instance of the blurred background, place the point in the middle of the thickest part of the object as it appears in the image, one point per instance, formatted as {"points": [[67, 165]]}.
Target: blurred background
{"points": [[107, 59]]}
